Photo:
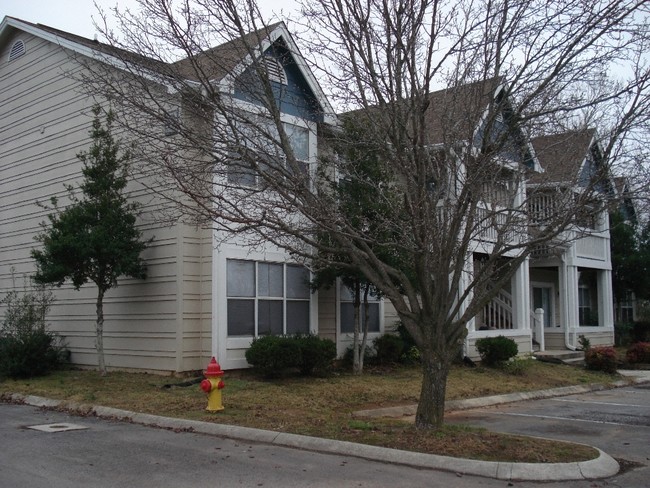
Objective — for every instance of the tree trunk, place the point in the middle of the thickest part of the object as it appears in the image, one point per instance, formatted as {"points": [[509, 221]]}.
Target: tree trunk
{"points": [[366, 321], [431, 408], [356, 358], [99, 330]]}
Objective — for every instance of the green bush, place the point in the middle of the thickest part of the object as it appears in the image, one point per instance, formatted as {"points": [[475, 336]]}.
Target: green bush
{"points": [[388, 348], [517, 366], [601, 358], [495, 350], [316, 354], [274, 356], [406, 337], [348, 356], [271, 356], [638, 353], [584, 343], [27, 348], [411, 355], [32, 354]]}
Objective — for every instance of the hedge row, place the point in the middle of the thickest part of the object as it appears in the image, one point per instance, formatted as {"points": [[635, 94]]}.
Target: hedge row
{"points": [[274, 356]]}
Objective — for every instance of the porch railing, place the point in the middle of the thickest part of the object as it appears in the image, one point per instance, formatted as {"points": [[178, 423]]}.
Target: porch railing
{"points": [[497, 314]]}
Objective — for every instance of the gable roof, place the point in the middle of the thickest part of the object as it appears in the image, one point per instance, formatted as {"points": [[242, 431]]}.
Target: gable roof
{"points": [[213, 65], [217, 62], [562, 155], [457, 112]]}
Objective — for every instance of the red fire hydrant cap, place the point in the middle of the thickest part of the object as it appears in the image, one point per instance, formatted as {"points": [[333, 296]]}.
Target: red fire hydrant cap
{"points": [[214, 369]]}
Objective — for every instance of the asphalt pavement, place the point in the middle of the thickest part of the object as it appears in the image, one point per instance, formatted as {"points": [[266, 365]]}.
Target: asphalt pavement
{"points": [[603, 467]]}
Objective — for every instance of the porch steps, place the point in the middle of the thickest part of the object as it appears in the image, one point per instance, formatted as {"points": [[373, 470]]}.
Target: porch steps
{"points": [[572, 358]]}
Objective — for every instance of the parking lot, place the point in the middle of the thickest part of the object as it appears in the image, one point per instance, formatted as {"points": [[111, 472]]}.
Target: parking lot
{"points": [[616, 421]]}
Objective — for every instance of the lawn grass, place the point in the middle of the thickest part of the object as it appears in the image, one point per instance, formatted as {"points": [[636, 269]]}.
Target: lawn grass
{"points": [[323, 406]]}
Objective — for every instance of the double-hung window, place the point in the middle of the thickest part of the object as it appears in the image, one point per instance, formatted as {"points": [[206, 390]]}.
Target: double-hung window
{"points": [[347, 311], [584, 306], [266, 298], [267, 155]]}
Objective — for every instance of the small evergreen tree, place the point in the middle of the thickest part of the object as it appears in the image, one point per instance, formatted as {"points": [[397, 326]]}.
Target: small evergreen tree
{"points": [[630, 248], [94, 239]]}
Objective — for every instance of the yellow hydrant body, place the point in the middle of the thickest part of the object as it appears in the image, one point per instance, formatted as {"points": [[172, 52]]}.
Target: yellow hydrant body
{"points": [[212, 386]]}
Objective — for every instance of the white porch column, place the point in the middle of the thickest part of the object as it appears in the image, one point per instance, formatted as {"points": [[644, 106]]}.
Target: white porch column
{"points": [[465, 280], [568, 281], [605, 299], [572, 296], [520, 284]]}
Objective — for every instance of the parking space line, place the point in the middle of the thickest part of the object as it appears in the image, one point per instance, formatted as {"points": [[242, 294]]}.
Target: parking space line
{"points": [[551, 417], [598, 403]]}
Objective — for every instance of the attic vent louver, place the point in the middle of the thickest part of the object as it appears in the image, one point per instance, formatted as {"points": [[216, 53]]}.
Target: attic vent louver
{"points": [[17, 50], [275, 70]]}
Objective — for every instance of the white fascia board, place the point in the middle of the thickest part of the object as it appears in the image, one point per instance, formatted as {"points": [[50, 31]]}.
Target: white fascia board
{"points": [[87, 52], [227, 83]]}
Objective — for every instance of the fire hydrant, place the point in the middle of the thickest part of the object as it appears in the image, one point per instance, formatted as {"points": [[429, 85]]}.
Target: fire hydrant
{"points": [[212, 385]]}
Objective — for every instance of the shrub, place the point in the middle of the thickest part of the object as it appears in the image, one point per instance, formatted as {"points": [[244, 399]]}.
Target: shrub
{"points": [[271, 356], [388, 348], [316, 354], [495, 350], [274, 356], [411, 355], [584, 343], [32, 354], [348, 356], [406, 337], [601, 358], [517, 366], [638, 353], [27, 348]]}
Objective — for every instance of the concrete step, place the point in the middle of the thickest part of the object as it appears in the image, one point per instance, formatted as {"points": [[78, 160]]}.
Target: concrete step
{"points": [[561, 356], [574, 361]]}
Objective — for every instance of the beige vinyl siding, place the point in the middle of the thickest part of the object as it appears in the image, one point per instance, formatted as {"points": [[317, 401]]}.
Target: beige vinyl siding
{"points": [[556, 340], [327, 313], [196, 337], [162, 323]]}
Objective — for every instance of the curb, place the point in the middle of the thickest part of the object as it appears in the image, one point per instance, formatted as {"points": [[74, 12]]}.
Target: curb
{"points": [[602, 467], [453, 405]]}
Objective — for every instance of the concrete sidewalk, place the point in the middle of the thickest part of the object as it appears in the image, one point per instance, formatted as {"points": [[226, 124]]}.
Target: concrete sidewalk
{"points": [[602, 467], [634, 376]]}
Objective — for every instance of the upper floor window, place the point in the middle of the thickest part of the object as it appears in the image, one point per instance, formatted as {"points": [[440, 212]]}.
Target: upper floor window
{"points": [[267, 157], [17, 49]]}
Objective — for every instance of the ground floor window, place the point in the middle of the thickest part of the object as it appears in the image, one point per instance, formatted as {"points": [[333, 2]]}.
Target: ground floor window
{"points": [[347, 311], [587, 298], [267, 298]]}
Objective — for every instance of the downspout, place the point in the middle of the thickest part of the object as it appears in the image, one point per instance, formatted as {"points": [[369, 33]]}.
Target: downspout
{"points": [[567, 341]]}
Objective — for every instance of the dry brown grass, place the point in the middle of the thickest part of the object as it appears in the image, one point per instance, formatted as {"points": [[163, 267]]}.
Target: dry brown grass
{"points": [[323, 406]]}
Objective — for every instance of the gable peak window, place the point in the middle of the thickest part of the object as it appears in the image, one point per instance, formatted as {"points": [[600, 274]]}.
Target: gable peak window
{"points": [[274, 69]]}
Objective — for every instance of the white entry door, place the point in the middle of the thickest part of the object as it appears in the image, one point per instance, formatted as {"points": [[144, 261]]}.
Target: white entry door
{"points": [[543, 298]]}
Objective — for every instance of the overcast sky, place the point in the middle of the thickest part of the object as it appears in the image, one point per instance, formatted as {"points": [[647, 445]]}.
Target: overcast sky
{"points": [[75, 16]]}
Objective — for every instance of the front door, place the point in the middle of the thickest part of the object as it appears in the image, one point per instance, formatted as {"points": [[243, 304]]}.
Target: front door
{"points": [[543, 298]]}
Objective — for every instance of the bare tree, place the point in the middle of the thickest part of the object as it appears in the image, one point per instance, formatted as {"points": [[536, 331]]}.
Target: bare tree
{"points": [[446, 92]]}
